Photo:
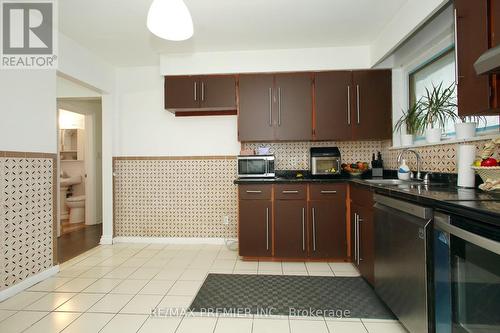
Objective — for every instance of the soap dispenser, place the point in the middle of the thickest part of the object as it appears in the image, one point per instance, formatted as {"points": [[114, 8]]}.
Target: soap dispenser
{"points": [[404, 171]]}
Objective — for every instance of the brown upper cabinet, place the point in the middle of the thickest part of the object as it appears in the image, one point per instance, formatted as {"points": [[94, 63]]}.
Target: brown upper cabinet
{"points": [[471, 40], [353, 105], [275, 107], [213, 94]]}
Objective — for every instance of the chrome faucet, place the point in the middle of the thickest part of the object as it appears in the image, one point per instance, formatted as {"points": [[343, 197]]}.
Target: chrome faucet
{"points": [[417, 155]]}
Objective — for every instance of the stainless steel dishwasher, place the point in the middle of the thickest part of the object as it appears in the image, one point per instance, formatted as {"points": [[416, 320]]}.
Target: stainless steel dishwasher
{"points": [[402, 240]]}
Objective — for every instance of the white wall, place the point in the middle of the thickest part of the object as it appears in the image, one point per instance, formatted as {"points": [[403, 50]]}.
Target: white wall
{"points": [[28, 119], [433, 38], [69, 89], [266, 60], [147, 129]]}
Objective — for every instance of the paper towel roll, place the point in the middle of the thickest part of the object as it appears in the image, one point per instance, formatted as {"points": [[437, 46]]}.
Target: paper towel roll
{"points": [[466, 154]]}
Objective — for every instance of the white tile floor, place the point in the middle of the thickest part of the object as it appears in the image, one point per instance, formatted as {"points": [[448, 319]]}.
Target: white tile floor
{"points": [[113, 289]]}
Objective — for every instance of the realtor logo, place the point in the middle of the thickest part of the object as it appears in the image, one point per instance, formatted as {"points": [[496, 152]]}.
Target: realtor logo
{"points": [[28, 34]]}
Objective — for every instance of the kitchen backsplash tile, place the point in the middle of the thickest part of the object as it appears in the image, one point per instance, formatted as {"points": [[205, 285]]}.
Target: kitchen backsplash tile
{"points": [[295, 155], [436, 158]]}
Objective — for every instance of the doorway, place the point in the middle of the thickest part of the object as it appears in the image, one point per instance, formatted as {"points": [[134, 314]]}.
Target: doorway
{"points": [[80, 175]]}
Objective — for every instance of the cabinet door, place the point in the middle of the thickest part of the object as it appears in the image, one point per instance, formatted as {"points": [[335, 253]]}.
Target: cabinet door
{"points": [[290, 228], [254, 232], [372, 111], [333, 105], [182, 92], [471, 19], [367, 244], [218, 92], [328, 229], [255, 113], [294, 107]]}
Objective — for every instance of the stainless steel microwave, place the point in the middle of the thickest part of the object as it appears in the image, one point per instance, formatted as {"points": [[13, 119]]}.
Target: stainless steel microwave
{"points": [[257, 166]]}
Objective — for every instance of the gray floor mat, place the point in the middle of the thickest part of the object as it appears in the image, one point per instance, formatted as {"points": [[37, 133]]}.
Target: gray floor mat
{"points": [[289, 295]]}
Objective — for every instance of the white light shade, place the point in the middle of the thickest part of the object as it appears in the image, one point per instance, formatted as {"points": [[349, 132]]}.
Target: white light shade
{"points": [[170, 19]]}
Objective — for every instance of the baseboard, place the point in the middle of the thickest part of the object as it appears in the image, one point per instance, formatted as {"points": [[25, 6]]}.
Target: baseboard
{"points": [[169, 240], [106, 240], [28, 282]]}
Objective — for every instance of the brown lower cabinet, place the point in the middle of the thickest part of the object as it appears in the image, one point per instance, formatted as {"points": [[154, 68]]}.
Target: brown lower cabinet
{"points": [[362, 232], [301, 221], [290, 228]]}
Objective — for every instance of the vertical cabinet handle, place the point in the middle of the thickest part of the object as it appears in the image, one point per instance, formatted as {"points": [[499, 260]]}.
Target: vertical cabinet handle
{"points": [[202, 91], [303, 229], [314, 228], [279, 106], [356, 237], [357, 100], [455, 30], [270, 106], [267, 229], [359, 240], [195, 88], [348, 105]]}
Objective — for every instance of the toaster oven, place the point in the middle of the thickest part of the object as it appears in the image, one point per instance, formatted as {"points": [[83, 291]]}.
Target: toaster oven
{"points": [[325, 161]]}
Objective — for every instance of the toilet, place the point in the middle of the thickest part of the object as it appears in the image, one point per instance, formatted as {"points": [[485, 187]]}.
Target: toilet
{"points": [[76, 207]]}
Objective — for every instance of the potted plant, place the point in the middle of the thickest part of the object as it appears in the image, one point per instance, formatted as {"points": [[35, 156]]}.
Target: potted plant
{"points": [[438, 106], [412, 121], [466, 128]]}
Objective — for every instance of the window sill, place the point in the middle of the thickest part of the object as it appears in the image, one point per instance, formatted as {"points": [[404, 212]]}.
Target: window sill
{"points": [[449, 141]]}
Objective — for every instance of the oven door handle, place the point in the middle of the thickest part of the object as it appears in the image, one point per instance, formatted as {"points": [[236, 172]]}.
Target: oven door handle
{"points": [[480, 241]]}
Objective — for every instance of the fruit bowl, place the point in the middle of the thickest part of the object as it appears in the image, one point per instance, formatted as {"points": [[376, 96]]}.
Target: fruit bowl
{"points": [[487, 172]]}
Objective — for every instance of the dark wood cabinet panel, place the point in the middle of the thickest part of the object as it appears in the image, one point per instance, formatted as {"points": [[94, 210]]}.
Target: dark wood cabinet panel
{"points": [[372, 100], [333, 103], [256, 107], [255, 192], [181, 92], [290, 228], [290, 192], [327, 228], [495, 23], [294, 106], [362, 231], [327, 191], [255, 228], [367, 244], [471, 41], [218, 92]]}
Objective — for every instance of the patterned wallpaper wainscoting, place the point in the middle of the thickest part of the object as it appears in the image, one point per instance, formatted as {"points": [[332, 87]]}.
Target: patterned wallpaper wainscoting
{"points": [[175, 196], [295, 155], [435, 158], [27, 215]]}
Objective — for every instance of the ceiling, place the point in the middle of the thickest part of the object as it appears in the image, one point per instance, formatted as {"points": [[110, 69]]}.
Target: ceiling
{"points": [[116, 30]]}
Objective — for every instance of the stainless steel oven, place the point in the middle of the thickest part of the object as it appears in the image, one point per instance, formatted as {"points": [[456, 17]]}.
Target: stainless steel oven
{"points": [[257, 166], [325, 161], [466, 275]]}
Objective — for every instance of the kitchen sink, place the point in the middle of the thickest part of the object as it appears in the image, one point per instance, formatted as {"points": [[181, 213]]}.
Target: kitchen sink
{"points": [[392, 182]]}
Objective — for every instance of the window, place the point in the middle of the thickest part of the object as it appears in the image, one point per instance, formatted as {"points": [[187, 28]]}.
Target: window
{"points": [[439, 69]]}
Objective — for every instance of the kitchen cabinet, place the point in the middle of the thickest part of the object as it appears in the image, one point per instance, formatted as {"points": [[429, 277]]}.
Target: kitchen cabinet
{"points": [[290, 220], [256, 107], [275, 107], [333, 94], [290, 228], [293, 93], [255, 221], [294, 221], [327, 221], [471, 40], [212, 94], [353, 105], [362, 232], [372, 112]]}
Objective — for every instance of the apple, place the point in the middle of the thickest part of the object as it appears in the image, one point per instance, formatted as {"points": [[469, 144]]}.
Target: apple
{"points": [[489, 162]]}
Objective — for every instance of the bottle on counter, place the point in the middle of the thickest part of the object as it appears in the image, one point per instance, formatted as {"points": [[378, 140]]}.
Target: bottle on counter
{"points": [[404, 171]]}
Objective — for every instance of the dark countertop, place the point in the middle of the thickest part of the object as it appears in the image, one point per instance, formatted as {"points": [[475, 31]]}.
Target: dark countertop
{"points": [[472, 203]]}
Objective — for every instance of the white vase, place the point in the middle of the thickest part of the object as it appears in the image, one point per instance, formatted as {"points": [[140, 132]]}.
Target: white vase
{"points": [[465, 130], [433, 135], [406, 139]]}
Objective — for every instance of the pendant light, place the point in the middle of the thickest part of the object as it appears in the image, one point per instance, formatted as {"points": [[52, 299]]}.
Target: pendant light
{"points": [[170, 19]]}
